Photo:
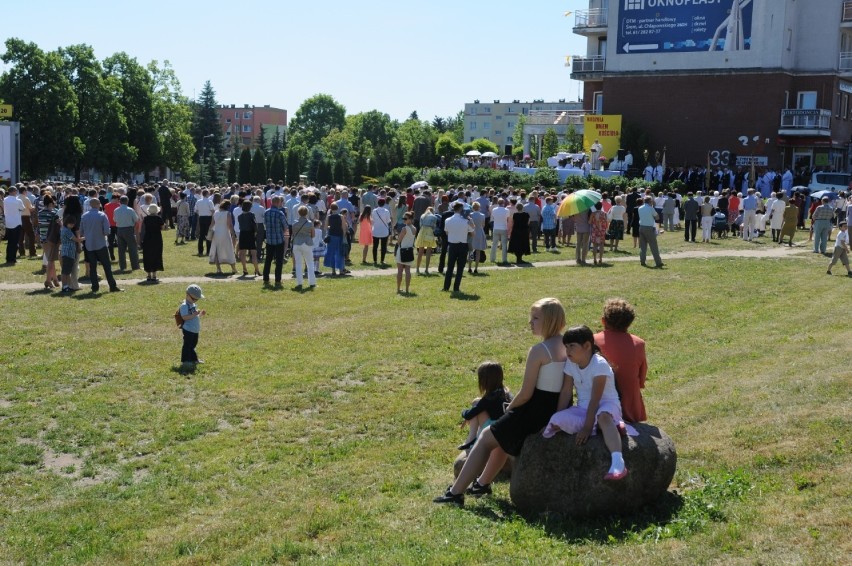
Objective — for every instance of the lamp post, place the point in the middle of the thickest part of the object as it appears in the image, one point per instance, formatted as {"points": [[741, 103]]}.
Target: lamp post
{"points": [[201, 160]]}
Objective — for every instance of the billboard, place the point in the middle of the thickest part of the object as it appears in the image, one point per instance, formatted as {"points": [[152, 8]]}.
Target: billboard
{"points": [[9, 134], [604, 129], [678, 26]]}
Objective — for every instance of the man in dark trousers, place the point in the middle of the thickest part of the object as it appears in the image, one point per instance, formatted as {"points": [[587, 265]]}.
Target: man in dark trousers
{"points": [[691, 210], [456, 230], [165, 195], [630, 206]]}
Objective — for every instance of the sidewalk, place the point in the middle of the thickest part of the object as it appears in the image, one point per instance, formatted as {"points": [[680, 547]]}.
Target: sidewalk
{"points": [[771, 252]]}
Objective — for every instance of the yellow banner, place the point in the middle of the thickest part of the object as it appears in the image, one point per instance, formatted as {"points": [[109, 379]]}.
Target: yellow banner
{"points": [[5, 111], [602, 132]]}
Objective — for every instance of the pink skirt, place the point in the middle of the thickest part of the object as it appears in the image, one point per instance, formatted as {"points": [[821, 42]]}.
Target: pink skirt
{"points": [[572, 419]]}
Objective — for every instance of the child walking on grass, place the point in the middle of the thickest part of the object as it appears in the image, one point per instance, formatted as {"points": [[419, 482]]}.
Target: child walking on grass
{"points": [[841, 248], [489, 407], [191, 326], [597, 399]]}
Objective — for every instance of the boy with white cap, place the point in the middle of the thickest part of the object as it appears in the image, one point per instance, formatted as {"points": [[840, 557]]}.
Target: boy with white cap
{"points": [[191, 326]]}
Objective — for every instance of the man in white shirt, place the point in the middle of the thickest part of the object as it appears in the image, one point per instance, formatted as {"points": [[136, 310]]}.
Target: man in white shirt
{"points": [[649, 173], [456, 230], [500, 218], [205, 209], [13, 208]]}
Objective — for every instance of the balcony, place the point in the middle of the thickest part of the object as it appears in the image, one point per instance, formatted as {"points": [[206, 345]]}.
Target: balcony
{"points": [[846, 19], [585, 68], [555, 117], [799, 122], [588, 22], [845, 64]]}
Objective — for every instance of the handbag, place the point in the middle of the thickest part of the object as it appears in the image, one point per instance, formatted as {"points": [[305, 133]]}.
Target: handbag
{"points": [[406, 254]]}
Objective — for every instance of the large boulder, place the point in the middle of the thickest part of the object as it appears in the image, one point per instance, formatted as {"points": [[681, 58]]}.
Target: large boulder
{"points": [[555, 475]]}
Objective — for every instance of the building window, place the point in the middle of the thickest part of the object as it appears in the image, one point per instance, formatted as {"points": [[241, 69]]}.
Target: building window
{"points": [[845, 106], [471, 138], [236, 115], [598, 98], [473, 110], [228, 121], [837, 105], [246, 115], [228, 134], [486, 126], [509, 140], [246, 128], [473, 125], [525, 111], [510, 124], [498, 117], [807, 100], [486, 109]]}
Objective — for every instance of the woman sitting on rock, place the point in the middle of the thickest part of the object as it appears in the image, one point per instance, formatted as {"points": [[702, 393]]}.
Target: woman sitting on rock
{"points": [[626, 354], [528, 412]]}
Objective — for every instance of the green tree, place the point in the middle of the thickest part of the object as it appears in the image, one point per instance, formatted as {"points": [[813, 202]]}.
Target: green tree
{"points": [[481, 145], [45, 104], [258, 168], [276, 144], [294, 168], [232, 170], [550, 143], [172, 118], [317, 155], [447, 146], [573, 140], [101, 133], [137, 99], [277, 167], [260, 141], [518, 134], [315, 118], [455, 125], [206, 129], [244, 173]]}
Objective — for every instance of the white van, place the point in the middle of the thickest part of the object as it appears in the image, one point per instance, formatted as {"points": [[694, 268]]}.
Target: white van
{"points": [[829, 181]]}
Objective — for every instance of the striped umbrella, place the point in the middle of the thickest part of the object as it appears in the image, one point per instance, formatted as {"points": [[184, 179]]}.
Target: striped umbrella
{"points": [[577, 202]]}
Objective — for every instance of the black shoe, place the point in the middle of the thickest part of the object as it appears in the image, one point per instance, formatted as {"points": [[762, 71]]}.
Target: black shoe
{"points": [[477, 490], [120, 290], [450, 497]]}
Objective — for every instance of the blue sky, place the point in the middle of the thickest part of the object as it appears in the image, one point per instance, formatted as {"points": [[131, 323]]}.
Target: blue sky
{"points": [[429, 56]]}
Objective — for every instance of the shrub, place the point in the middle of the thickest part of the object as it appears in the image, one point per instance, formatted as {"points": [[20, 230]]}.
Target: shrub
{"points": [[546, 177], [402, 176]]}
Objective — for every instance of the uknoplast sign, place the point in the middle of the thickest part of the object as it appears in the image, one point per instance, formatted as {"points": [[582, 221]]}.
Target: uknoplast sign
{"points": [[677, 26]]}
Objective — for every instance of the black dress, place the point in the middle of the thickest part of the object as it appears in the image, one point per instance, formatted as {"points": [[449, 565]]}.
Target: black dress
{"points": [[152, 245], [248, 231], [519, 241]]}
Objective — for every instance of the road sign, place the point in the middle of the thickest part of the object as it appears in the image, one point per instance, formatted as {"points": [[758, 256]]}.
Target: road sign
{"points": [[5, 111]]}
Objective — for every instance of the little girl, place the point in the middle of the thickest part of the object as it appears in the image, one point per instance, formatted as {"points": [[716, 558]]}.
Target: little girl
{"points": [[597, 399], [489, 407], [319, 248]]}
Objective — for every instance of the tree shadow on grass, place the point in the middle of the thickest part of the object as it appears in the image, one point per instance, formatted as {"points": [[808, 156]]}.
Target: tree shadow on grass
{"points": [[605, 529]]}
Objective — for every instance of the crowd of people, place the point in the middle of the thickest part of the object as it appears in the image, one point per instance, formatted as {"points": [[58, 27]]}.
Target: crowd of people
{"points": [[318, 226]]}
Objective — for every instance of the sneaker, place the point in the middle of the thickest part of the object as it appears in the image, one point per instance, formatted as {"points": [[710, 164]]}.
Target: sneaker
{"points": [[450, 497], [610, 476], [478, 490], [828, 272]]}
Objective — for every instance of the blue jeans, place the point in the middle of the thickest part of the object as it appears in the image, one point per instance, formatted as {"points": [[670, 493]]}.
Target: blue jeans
{"points": [[822, 228]]}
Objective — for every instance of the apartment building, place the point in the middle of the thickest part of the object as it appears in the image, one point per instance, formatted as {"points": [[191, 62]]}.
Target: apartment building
{"points": [[496, 120], [240, 125]]}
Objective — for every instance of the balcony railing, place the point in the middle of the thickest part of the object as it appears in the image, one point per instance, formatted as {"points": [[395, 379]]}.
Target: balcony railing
{"points": [[845, 64], [555, 117], [847, 12], [798, 120], [588, 65], [593, 18]]}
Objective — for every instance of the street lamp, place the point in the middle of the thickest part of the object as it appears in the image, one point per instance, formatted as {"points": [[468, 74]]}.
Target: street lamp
{"points": [[201, 160]]}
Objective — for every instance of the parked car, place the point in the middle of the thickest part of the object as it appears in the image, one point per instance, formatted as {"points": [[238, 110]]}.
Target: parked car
{"points": [[830, 181]]}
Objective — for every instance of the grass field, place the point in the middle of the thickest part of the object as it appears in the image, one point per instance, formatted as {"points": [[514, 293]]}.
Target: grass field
{"points": [[324, 422]]}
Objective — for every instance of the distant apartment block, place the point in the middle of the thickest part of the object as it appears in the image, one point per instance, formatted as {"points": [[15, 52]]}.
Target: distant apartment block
{"points": [[240, 125]]}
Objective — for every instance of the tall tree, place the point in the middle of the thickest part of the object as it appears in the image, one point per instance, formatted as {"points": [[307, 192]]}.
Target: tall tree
{"points": [[455, 125], [277, 167], [276, 144], [518, 134], [137, 100], [315, 160], [206, 123], [172, 118], [258, 167], [260, 141], [232, 170], [440, 124], [244, 174], [294, 168], [101, 133], [549, 144], [315, 118], [45, 104]]}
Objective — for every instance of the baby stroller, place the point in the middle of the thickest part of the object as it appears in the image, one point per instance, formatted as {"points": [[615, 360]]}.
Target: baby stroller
{"points": [[720, 224]]}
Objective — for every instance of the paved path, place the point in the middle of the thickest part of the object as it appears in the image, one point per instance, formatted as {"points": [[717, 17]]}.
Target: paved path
{"points": [[767, 252]]}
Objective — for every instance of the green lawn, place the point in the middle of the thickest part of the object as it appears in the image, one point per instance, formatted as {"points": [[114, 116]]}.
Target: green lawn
{"points": [[324, 422]]}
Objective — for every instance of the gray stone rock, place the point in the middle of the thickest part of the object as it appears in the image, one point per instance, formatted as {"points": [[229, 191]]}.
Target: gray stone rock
{"points": [[555, 475]]}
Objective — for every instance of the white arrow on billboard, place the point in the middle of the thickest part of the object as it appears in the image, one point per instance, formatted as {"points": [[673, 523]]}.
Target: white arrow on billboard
{"points": [[641, 47]]}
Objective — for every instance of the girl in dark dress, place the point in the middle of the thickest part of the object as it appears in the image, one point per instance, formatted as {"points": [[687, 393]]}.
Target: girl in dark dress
{"points": [[248, 237], [519, 238], [528, 412], [152, 245]]}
